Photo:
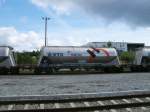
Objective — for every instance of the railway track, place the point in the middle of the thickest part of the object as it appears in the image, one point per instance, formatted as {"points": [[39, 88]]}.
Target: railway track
{"points": [[117, 103]]}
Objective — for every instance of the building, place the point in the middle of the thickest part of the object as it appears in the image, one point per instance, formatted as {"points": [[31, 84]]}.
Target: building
{"points": [[120, 46]]}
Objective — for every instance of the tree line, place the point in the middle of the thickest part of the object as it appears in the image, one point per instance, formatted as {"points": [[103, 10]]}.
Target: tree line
{"points": [[27, 57]]}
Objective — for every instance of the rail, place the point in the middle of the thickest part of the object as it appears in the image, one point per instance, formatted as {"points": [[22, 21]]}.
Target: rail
{"points": [[128, 101]]}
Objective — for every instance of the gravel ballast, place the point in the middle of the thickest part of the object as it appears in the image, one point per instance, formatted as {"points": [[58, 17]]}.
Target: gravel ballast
{"points": [[72, 84]]}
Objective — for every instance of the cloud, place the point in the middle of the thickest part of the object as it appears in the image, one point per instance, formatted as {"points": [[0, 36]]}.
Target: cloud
{"points": [[80, 36], [24, 19], [41, 3], [20, 40], [32, 40], [59, 6], [132, 12]]}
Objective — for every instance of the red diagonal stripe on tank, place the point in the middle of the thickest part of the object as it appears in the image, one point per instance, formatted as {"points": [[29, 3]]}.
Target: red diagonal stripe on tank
{"points": [[95, 49], [105, 51]]}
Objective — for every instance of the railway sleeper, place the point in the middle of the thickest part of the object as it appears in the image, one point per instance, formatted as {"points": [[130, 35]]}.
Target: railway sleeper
{"points": [[75, 108]]}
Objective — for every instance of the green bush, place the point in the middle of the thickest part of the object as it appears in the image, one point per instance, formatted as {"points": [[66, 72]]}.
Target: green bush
{"points": [[127, 56], [27, 57]]}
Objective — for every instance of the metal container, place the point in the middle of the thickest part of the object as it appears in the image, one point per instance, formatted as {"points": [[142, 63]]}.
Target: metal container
{"points": [[142, 56], [6, 57], [78, 55]]}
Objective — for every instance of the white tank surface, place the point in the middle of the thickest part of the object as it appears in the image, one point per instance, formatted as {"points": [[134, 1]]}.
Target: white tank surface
{"points": [[4, 51], [142, 56], [146, 52], [78, 55], [6, 57]]}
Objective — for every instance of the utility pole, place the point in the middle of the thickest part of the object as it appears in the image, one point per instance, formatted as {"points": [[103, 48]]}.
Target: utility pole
{"points": [[46, 19]]}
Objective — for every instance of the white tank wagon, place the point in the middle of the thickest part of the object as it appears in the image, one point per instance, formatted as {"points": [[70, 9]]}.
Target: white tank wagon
{"points": [[75, 57], [7, 60], [142, 60]]}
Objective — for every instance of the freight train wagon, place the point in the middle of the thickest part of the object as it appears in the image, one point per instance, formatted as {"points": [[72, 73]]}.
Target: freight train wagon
{"points": [[142, 60], [61, 57], [7, 60]]}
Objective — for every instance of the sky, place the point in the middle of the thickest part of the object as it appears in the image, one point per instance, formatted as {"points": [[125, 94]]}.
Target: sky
{"points": [[73, 22]]}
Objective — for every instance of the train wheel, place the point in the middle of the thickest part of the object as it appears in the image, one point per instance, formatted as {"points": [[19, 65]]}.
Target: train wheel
{"points": [[97, 68], [37, 71], [133, 69], [107, 70], [118, 69], [49, 71], [136, 68], [56, 69], [148, 68], [72, 69], [14, 70], [145, 69], [4, 71], [112, 69], [87, 69]]}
